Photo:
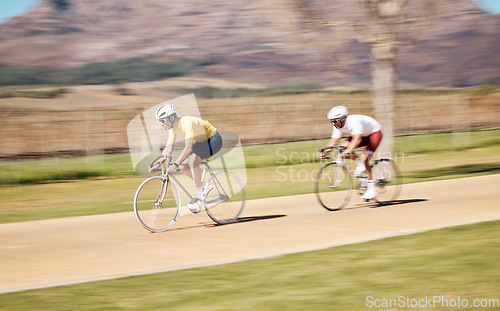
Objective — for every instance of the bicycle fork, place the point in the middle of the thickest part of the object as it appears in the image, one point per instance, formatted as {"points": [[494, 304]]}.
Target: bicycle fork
{"points": [[158, 202]]}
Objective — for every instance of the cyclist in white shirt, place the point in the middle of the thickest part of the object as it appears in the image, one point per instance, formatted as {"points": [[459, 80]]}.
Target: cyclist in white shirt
{"points": [[364, 131]]}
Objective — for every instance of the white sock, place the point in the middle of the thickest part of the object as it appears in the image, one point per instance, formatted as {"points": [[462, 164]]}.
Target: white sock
{"points": [[199, 193]]}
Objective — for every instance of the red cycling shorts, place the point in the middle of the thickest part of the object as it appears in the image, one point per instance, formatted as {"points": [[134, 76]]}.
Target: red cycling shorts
{"points": [[371, 142]]}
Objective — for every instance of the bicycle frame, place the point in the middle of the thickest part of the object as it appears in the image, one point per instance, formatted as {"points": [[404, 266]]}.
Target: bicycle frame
{"points": [[206, 168], [361, 180], [394, 179], [339, 150], [146, 213]]}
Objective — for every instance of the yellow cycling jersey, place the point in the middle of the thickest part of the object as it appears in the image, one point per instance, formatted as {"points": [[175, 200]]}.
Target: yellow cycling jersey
{"points": [[193, 129]]}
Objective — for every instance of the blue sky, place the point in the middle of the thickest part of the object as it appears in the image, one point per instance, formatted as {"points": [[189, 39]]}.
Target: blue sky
{"points": [[492, 6], [10, 8]]}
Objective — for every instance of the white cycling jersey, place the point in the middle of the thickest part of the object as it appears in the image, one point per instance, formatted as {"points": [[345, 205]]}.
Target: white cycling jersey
{"points": [[356, 124]]}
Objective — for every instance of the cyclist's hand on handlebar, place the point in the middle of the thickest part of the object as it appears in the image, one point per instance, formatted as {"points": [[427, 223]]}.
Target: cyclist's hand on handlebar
{"points": [[172, 169], [155, 168], [345, 155], [322, 155], [165, 158]]}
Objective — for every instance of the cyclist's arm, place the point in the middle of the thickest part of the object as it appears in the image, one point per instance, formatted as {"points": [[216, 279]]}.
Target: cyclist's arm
{"points": [[332, 142], [188, 148], [355, 142], [167, 151], [169, 148]]}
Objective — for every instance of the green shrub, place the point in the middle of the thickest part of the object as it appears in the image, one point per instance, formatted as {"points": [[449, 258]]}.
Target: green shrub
{"points": [[34, 94], [485, 90], [128, 70], [124, 91]]}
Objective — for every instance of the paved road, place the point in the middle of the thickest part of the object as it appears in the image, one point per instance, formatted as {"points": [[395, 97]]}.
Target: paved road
{"points": [[80, 249]]}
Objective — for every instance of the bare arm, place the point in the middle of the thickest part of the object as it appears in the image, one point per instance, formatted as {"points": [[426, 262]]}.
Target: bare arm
{"points": [[168, 150], [355, 142], [188, 148], [331, 142]]}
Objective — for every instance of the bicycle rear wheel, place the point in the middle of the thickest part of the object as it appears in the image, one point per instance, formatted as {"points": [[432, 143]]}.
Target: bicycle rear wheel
{"points": [[226, 200], [156, 204], [333, 186], [388, 179]]}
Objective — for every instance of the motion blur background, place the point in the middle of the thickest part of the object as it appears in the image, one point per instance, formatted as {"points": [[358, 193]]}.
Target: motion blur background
{"points": [[74, 73]]}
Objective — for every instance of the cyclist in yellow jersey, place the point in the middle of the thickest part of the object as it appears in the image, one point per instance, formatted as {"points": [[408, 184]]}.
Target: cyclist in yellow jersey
{"points": [[193, 129], [201, 142]]}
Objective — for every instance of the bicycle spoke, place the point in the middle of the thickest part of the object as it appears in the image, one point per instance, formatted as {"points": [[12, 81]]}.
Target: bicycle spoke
{"points": [[333, 186], [387, 179], [156, 204], [226, 201]]}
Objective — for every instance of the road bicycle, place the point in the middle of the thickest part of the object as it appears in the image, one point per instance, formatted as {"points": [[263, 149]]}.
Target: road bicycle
{"points": [[157, 203], [335, 181]]}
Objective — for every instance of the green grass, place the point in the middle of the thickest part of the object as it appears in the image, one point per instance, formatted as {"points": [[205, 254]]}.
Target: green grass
{"points": [[453, 262], [260, 156], [65, 169], [433, 143], [56, 200], [30, 193], [468, 170], [109, 195]]}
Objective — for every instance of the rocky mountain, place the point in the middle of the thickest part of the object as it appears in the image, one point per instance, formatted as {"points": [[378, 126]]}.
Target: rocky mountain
{"points": [[462, 44]]}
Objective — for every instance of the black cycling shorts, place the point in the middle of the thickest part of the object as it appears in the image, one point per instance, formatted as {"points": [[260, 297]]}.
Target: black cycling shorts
{"points": [[206, 149]]}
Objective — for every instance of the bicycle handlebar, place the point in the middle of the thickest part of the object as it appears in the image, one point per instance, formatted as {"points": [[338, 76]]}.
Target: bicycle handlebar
{"points": [[154, 167], [340, 148]]}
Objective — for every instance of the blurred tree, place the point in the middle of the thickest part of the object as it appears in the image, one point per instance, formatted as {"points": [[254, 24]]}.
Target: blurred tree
{"points": [[460, 81], [381, 25], [61, 5]]}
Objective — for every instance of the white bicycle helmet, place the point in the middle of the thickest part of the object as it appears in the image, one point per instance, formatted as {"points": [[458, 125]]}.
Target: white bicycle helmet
{"points": [[165, 111], [337, 112]]}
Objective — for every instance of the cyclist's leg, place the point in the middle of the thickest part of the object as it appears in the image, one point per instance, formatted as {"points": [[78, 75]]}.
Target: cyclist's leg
{"points": [[185, 169], [345, 143], [194, 166], [365, 158], [201, 151], [191, 166], [372, 144], [360, 161]]}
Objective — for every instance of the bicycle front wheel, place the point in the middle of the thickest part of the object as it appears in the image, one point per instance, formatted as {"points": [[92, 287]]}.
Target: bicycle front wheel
{"points": [[388, 180], [333, 186], [156, 204], [226, 200]]}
